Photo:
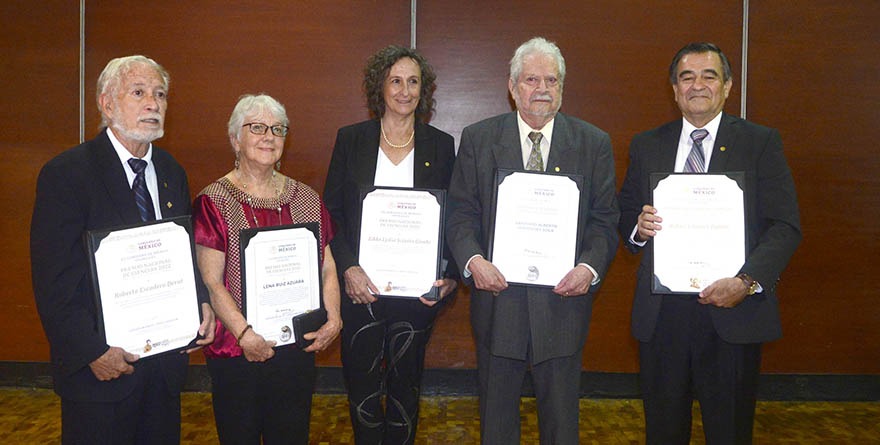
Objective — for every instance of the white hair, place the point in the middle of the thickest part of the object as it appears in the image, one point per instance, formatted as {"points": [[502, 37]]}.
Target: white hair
{"points": [[111, 78], [537, 45], [249, 104]]}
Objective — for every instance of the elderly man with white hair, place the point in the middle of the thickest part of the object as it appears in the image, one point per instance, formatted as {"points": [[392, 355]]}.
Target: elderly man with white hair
{"points": [[520, 327], [108, 396]]}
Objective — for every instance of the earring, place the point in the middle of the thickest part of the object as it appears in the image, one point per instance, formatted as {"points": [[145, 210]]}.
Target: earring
{"points": [[278, 165], [237, 161]]}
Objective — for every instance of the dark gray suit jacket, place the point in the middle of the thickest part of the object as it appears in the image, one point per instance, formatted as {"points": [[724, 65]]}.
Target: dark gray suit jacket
{"points": [[773, 222], [521, 318], [85, 188]]}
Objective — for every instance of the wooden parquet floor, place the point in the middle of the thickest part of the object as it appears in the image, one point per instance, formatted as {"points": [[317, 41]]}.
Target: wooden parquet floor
{"points": [[32, 416]]}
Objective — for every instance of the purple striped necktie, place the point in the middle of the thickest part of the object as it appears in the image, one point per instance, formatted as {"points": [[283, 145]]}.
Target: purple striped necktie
{"points": [[696, 160]]}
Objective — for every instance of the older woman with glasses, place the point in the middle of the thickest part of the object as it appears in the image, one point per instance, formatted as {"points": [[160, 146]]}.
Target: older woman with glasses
{"points": [[384, 339], [259, 391]]}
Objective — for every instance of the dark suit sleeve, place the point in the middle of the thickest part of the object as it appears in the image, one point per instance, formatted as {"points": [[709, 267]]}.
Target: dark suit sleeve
{"points": [[201, 289], [59, 269], [465, 210], [334, 199], [599, 243], [446, 152], [632, 197], [779, 231]]}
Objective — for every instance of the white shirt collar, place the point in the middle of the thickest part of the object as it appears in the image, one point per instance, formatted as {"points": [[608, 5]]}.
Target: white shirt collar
{"points": [[526, 144], [712, 127], [123, 153], [525, 129]]}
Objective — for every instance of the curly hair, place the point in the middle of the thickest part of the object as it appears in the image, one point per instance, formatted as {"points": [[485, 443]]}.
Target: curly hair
{"points": [[376, 71]]}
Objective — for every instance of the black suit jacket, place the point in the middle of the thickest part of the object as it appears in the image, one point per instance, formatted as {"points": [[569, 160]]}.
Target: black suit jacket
{"points": [[523, 317], [353, 167], [773, 221], [85, 188]]}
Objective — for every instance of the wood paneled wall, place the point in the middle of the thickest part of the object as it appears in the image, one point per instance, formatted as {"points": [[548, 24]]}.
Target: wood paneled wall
{"points": [[812, 74]]}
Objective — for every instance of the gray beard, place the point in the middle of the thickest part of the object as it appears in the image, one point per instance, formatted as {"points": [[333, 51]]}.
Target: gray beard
{"points": [[141, 136]]}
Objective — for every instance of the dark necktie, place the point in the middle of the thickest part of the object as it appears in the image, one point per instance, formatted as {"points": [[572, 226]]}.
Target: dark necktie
{"points": [[536, 162], [139, 187], [696, 161]]}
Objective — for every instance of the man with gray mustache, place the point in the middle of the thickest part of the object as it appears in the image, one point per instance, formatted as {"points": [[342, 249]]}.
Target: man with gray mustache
{"points": [[517, 327], [108, 396]]}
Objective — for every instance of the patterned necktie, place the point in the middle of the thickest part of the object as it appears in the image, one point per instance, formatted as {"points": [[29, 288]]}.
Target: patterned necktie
{"points": [[696, 161], [536, 163], [139, 187]]}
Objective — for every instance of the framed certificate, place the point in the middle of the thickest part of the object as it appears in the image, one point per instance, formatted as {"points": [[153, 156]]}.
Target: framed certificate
{"points": [[401, 240], [704, 235], [535, 233], [145, 285], [280, 278]]}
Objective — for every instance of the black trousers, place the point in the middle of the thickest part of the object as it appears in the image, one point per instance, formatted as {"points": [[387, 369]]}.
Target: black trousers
{"points": [[268, 402], [150, 415], [687, 360], [383, 356]]}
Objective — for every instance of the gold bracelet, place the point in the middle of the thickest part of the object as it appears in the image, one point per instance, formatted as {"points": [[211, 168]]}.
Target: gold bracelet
{"points": [[240, 336]]}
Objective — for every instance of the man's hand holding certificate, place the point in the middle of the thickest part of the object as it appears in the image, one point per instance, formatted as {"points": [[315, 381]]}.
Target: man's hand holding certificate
{"points": [[703, 230]]}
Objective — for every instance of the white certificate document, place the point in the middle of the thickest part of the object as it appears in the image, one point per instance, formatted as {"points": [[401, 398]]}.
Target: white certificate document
{"points": [[703, 235], [281, 278], [400, 240], [536, 227], [146, 287]]}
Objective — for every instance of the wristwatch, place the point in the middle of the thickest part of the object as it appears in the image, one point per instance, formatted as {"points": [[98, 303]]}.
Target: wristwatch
{"points": [[751, 284]]}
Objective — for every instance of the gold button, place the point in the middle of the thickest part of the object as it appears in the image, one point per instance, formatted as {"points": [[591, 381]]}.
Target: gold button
{"points": [[168, 204], [723, 148], [556, 169], [427, 164]]}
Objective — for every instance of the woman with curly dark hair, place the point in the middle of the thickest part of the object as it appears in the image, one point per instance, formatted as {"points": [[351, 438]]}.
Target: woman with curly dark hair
{"points": [[384, 339]]}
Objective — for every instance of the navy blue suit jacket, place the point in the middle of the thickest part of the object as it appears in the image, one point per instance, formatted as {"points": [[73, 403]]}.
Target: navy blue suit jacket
{"points": [[85, 188]]}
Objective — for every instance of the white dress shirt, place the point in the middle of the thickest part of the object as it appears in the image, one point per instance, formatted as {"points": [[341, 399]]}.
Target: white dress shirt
{"points": [[149, 173]]}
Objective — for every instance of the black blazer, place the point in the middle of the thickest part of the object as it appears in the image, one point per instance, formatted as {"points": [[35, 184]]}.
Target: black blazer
{"points": [[773, 221], [85, 188], [353, 167], [556, 326]]}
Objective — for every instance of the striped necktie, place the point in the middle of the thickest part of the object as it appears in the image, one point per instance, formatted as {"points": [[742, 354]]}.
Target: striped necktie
{"points": [[696, 161], [139, 187]]}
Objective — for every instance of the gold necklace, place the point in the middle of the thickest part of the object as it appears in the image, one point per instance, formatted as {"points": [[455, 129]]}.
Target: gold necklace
{"points": [[250, 201], [405, 144]]}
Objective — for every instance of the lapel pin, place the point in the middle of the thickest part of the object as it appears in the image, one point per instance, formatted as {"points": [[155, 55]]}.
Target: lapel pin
{"points": [[168, 204], [427, 164], [723, 148], [165, 184], [556, 169]]}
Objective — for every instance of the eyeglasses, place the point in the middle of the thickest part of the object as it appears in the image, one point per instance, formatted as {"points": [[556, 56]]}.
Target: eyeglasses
{"points": [[261, 129]]}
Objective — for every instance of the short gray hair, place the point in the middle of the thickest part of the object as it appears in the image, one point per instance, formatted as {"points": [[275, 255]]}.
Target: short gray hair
{"points": [[537, 45], [255, 104], [111, 78]]}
